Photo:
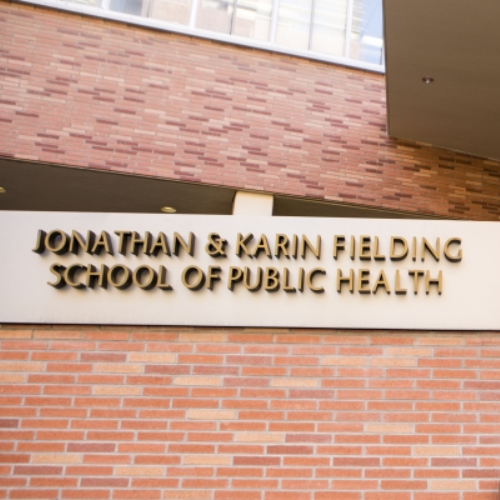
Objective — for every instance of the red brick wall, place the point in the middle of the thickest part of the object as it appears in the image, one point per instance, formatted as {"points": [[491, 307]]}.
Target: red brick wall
{"points": [[97, 94], [184, 414]]}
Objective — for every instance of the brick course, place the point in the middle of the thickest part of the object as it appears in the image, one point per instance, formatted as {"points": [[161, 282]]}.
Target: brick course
{"points": [[97, 94], [255, 414]]}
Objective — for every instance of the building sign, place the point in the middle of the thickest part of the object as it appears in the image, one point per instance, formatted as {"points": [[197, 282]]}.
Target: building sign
{"points": [[88, 268]]}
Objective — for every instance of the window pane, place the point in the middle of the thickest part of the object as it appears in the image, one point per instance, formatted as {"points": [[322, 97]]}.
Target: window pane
{"points": [[253, 19], [330, 18], [294, 23], [134, 7], [367, 31], [215, 15], [174, 11]]}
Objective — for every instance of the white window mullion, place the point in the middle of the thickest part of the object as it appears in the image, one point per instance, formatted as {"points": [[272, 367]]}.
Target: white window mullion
{"points": [[311, 26], [194, 13], [105, 4], [348, 28], [233, 17], [274, 21]]}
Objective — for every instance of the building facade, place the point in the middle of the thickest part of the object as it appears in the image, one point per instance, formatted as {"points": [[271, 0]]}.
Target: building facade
{"points": [[193, 413]]}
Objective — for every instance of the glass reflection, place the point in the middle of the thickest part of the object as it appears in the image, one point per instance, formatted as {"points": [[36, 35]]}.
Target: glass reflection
{"points": [[328, 33], [253, 19], [215, 15], [367, 31], [294, 23], [174, 11], [133, 7]]}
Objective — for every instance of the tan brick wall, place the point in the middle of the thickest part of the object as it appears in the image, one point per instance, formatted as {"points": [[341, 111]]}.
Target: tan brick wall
{"points": [[184, 414], [96, 94]]}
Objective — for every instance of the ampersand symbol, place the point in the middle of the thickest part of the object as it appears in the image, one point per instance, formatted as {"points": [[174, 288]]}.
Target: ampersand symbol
{"points": [[215, 245]]}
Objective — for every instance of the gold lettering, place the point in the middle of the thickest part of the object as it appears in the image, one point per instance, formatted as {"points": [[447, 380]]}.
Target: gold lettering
{"points": [[136, 243], [103, 243], [262, 245], [416, 273], [76, 242], [113, 277], [352, 251], [300, 282], [57, 270], [241, 244], [309, 279], [246, 280], [414, 248], [92, 275], [149, 282], [69, 275], [160, 244], [281, 246], [162, 279], [271, 279], [397, 240], [215, 246], [349, 280], [316, 250], [295, 246], [381, 281], [365, 246], [399, 290], [199, 280], [57, 242], [179, 242], [122, 241], [286, 278], [376, 255], [433, 281], [364, 281], [338, 244], [40, 242], [235, 276], [447, 254], [213, 275], [434, 252]]}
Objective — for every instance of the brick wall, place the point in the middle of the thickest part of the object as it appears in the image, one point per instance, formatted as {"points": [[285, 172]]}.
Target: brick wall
{"points": [[171, 414], [96, 94]]}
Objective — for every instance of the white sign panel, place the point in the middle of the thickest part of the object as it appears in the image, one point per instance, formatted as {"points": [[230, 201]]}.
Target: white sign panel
{"points": [[89, 268]]}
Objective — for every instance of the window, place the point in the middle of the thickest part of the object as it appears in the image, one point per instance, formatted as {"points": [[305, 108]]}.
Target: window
{"points": [[253, 19], [329, 27], [134, 7], [343, 31], [245, 18], [174, 11], [367, 36], [215, 15], [294, 24]]}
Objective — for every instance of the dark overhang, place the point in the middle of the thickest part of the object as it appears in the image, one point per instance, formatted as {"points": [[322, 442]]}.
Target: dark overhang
{"points": [[455, 45], [47, 187]]}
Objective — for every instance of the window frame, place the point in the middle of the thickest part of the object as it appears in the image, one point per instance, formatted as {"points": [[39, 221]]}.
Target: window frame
{"points": [[103, 12]]}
